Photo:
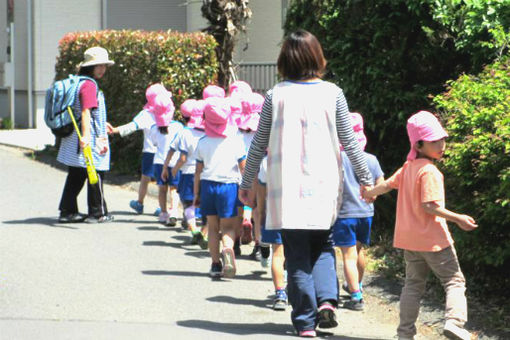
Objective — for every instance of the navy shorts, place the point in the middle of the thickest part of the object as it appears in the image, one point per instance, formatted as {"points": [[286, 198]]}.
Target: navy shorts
{"points": [[185, 187], [147, 168], [270, 236], [346, 231], [218, 199], [172, 181]]}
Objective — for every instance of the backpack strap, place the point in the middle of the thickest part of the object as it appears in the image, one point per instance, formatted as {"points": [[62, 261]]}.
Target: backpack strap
{"points": [[77, 95]]}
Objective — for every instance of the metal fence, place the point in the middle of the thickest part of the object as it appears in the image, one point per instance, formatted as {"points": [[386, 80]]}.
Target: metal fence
{"points": [[261, 76]]}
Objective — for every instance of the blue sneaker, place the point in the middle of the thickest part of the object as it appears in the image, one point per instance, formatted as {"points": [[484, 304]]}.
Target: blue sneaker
{"points": [[280, 300], [157, 212], [136, 206]]}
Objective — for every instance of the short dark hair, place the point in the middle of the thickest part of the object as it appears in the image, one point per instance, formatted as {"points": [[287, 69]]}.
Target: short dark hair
{"points": [[301, 57]]}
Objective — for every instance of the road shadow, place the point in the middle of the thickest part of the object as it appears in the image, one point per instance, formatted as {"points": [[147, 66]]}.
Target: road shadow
{"points": [[163, 244], [267, 328], [265, 304], [46, 221], [153, 228], [253, 276], [199, 254]]}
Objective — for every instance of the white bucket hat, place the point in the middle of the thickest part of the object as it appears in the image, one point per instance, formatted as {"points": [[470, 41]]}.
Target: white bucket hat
{"points": [[96, 56]]}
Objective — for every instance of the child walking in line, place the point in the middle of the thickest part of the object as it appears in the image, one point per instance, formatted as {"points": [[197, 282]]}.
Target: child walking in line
{"points": [[303, 121], [353, 225], [162, 135], [274, 239], [248, 122], [220, 157], [144, 120], [192, 111], [421, 229]]}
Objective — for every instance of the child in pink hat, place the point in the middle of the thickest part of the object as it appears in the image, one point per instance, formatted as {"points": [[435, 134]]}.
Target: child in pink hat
{"points": [[421, 229], [144, 120], [248, 121], [352, 228], [213, 91], [192, 111], [220, 157], [163, 134], [239, 88]]}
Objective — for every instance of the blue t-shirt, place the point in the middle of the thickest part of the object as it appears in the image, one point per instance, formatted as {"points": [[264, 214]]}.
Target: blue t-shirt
{"points": [[352, 205]]}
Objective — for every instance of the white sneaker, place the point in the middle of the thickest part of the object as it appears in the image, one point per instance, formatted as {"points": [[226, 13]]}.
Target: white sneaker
{"points": [[163, 217], [454, 331]]}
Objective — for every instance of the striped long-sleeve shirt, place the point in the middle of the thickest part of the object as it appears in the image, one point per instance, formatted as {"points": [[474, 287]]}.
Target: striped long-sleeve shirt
{"points": [[344, 130]]}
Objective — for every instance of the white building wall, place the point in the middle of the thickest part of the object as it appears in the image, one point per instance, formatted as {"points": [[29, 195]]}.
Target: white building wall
{"points": [[146, 15], [73, 16], [264, 33], [194, 19]]}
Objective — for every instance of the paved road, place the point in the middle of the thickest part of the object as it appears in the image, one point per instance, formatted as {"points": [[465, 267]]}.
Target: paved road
{"points": [[130, 279]]}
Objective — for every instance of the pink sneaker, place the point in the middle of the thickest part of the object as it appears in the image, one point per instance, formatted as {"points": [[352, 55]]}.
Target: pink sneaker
{"points": [[327, 317], [163, 217], [308, 334]]}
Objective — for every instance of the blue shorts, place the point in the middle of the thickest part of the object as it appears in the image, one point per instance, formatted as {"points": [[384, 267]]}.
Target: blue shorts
{"points": [[270, 236], [147, 168], [218, 199], [172, 181], [346, 231], [185, 187]]}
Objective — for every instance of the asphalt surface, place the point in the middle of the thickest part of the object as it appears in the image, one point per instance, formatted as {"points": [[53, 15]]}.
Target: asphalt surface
{"points": [[129, 279]]}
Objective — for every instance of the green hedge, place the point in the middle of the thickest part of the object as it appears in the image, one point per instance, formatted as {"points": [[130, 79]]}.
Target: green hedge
{"points": [[184, 62], [477, 164]]}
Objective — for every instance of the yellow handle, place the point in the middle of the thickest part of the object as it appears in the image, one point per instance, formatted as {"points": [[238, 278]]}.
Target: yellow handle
{"points": [[87, 153], [91, 170]]}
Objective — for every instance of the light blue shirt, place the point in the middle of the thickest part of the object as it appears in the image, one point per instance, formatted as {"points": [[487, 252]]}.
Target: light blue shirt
{"points": [[352, 205]]}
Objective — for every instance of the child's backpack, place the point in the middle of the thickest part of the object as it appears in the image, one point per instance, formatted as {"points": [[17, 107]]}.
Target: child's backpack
{"points": [[63, 94]]}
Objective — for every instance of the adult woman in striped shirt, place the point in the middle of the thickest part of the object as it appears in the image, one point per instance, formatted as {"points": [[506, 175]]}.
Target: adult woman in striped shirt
{"points": [[303, 121], [92, 106]]}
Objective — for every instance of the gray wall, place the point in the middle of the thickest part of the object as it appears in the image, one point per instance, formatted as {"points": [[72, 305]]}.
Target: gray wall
{"points": [[138, 14]]}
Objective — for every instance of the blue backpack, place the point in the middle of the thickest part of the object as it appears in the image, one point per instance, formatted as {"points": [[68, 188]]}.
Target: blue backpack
{"points": [[61, 95]]}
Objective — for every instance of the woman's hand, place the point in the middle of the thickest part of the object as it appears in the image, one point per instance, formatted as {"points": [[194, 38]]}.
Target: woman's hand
{"points": [[247, 197], [84, 141]]}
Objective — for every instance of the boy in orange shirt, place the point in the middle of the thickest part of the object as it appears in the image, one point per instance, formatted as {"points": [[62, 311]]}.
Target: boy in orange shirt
{"points": [[421, 229]]}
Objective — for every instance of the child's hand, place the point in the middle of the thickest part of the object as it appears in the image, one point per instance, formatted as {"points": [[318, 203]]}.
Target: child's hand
{"points": [[466, 223], [196, 201], [174, 172], [364, 189], [164, 174], [110, 129]]}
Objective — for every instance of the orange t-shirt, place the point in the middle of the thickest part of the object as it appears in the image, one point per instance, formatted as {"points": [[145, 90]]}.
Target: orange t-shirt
{"points": [[419, 181]]}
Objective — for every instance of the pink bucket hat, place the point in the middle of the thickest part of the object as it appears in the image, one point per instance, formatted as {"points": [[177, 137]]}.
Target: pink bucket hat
{"points": [[218, 119], [194, 110], [239, 87], [252, 106], [357, 126], [423, 126], [236, 108], [163, 109], [213, 91], [151, 93]]}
